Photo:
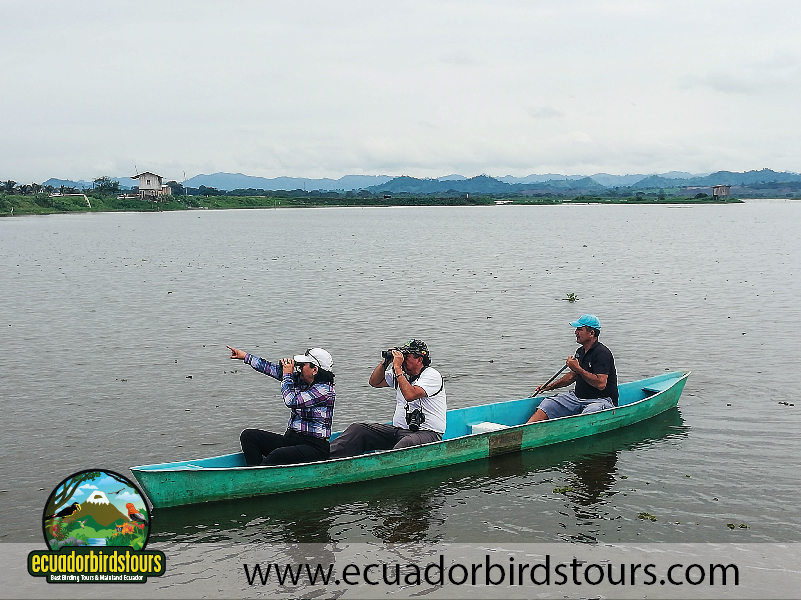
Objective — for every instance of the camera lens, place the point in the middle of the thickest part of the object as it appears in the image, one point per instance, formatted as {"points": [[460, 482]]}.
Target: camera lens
{"points": [[414, 419]]}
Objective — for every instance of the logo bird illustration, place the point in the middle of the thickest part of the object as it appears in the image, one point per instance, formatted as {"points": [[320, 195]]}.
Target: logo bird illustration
{"points": [[67, 511], [134, 515]]}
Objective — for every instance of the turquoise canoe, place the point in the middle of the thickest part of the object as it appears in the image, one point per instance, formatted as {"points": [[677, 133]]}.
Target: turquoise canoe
{"points": [[472, 433]]}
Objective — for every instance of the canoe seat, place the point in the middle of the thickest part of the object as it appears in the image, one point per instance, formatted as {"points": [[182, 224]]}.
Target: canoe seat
{"points": [[486, 426], [660, 386]]}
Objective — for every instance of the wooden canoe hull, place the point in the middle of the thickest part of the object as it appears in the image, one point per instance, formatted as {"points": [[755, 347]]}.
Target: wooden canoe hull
{"points": [[226, 477]]}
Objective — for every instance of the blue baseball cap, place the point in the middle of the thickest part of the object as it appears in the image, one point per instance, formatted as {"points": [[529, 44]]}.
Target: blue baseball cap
{"points": [[587, 321]]}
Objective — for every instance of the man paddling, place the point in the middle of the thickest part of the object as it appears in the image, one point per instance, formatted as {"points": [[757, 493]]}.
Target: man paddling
{"points": [[593, 371]]}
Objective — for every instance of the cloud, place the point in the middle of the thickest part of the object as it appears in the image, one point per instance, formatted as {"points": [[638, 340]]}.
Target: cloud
{"points": [[459, 59], [772, 75], [83, 489], [127, 496], [379, 88], [545, 112]]}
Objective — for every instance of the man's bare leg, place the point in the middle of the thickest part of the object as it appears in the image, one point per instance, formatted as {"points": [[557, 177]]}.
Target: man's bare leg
{"points": [[539, 415]]}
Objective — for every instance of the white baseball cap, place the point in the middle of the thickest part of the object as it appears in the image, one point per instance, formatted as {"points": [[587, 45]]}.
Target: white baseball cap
{"points": [[318, 357]]}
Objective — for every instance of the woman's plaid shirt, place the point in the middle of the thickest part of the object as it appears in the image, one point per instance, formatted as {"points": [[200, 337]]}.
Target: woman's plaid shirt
{"points": [[312, 406]]}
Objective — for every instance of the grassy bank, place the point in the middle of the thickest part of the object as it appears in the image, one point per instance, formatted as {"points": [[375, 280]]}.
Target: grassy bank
{"points": [[44, 204]]}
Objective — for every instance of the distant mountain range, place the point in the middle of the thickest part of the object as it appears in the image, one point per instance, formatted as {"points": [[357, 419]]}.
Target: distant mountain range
{"points": [[747, 178], [483, 184], [474, 185], [577, 184], [238, 181], [233, 181]]}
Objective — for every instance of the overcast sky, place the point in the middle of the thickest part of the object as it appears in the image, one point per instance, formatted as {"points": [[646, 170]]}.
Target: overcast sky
{"points": [[325, 89]]}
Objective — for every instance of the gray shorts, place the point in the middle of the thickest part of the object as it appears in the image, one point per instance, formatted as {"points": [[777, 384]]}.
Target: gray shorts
{"points": [[567, 403]]}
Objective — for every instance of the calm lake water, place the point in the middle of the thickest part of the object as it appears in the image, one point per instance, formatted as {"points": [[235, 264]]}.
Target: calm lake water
{"points": [[115, 325]]}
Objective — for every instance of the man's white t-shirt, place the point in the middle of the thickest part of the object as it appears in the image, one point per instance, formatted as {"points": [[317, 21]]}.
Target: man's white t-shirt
{"points": [[433, 404]]}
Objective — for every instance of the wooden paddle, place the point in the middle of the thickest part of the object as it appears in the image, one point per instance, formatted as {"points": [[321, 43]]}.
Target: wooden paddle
{"points": [[558, 373]]}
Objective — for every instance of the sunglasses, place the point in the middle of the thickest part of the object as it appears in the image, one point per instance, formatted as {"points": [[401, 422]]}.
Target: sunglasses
{"points": [[315, 362]]}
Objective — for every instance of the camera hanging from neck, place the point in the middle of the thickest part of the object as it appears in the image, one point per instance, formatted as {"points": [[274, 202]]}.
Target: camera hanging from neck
{"points": [[414, 418]]}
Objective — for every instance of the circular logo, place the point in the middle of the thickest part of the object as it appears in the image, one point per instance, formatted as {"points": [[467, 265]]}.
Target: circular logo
{"points": [[96, 508]]}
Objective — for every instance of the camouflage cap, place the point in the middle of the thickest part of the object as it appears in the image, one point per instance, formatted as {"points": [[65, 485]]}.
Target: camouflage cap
{"points": [[417, 347]]}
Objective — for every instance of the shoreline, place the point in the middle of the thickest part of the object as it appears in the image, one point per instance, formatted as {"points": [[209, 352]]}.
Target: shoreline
{"points": [[26, 205]]}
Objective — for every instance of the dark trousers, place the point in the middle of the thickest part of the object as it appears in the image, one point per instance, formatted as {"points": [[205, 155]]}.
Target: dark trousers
{"points": [[287, 449], [364, 437]]}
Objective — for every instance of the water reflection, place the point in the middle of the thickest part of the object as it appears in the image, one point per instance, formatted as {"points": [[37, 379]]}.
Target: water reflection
{"points": [[589, 469], [415, 517], [592, 478], [413, 508], [391, 510]]}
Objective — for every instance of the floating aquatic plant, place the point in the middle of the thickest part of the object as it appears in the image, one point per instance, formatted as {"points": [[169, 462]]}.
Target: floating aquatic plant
{"points": [[646, 516], [571, 297]]}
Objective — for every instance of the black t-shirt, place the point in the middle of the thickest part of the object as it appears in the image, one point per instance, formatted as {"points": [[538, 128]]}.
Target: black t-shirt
{"points": [[599, 361]]}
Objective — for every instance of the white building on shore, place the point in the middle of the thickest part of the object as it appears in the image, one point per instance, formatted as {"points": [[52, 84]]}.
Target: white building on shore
{"points": [[152, 186]]}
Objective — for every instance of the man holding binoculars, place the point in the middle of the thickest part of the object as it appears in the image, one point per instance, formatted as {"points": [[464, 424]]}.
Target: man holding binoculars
{"points": [[420, 405]]}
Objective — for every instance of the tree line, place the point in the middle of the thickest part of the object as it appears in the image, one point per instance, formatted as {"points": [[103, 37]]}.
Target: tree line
{"points": [[103, 185]]}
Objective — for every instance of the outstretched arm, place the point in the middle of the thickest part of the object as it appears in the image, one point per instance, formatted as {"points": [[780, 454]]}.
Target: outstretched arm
{"points": [[259, 364], [238, 354]]}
